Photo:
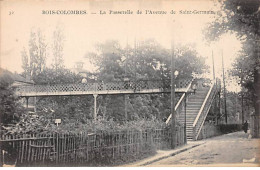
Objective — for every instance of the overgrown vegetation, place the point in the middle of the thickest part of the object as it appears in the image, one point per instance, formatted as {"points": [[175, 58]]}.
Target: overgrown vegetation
{"points": [[242, 18], [10, 107], [44, 123]]}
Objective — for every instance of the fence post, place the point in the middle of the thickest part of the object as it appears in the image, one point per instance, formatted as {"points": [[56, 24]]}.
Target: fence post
{"points": [[141, 141], [1, 152]]}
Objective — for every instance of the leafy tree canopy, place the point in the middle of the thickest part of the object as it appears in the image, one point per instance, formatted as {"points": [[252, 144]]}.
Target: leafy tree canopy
{"points": [[10, 108]]}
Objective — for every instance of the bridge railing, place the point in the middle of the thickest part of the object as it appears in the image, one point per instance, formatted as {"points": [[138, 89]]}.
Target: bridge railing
{"points": [[139, 85]]}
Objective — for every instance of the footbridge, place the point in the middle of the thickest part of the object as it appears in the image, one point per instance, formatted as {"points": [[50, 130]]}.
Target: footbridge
{"points": [[191, 109], [102, 88]]}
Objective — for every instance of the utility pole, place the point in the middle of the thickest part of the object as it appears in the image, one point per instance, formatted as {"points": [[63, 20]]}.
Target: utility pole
{"points": [[214, 76], [125, 95], [225, 101], [173, 96], [215, 81], [242, 107]]}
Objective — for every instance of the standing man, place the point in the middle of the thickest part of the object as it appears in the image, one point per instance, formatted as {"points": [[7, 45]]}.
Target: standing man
{"points": [[245, 126]]}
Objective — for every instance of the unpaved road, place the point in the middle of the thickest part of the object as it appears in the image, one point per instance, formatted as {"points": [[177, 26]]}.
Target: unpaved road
{"points": [[234, 149]]}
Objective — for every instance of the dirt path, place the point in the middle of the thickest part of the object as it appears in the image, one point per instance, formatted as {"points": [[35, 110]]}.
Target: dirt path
{"points": [[230, 149]]}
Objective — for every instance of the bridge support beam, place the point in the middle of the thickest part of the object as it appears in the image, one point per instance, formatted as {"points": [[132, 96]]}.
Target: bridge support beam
{"points": [[95, 106], [27, 102]]}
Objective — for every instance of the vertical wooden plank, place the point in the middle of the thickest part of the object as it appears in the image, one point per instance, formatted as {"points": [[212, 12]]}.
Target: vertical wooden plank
{"points": [[80, 149], [120, 144], [71, 158], [87, 145], [113, 145], [117, 143], [33, 149], [22, 154], [29, 150], [74, 139], [45, 143], [63, 147], [40, 141], [37, 149], [60, 148], [74, 147], [17, 146], [57, 148], [69, 148], [26, 148], [43, 147]]}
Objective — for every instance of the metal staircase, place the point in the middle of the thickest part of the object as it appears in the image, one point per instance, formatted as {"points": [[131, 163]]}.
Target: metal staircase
{"points": [[197, 108]]}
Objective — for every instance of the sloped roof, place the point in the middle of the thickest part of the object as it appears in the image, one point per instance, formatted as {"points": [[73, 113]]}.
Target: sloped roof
{"points": [[19, 78]]}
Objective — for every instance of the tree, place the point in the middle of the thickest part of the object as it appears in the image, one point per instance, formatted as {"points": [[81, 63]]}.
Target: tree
{"points": [[57, 49], [34, 62], [148, 61], [10, 108], [242, 17], [70, 109]]}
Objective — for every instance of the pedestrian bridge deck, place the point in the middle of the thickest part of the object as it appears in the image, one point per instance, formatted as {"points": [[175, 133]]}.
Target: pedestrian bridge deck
{"points": [[116, 87]]}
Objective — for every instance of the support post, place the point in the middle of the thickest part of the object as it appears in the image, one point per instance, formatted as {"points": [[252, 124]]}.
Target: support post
{"points": [[185, 120], [35, 98], [125, 97], [27, 102], [95, 106]]}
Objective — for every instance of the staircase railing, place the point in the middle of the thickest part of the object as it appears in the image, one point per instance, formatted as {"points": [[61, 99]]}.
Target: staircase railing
{"points": [[201, 117], [181, 103]]}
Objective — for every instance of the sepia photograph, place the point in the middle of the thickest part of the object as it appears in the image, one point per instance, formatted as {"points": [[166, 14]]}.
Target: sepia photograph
{"points": [[129, 83]]}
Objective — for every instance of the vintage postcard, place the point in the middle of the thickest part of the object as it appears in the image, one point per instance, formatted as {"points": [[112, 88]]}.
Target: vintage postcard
{"points": [[129, 83]]}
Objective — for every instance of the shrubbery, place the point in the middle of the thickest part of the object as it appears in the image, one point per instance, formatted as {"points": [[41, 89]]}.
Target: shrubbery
{"points": [[44, 122], [10, 107]]}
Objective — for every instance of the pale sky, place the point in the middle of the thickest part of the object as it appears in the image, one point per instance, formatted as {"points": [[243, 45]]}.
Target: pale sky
{"points": [[82, 32]]}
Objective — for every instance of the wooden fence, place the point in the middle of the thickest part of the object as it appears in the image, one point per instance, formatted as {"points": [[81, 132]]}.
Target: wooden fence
{"points": [[102, 148]]}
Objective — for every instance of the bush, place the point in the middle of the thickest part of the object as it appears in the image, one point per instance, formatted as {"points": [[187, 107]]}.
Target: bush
{"points": [[10, 108], [43, 123]]}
